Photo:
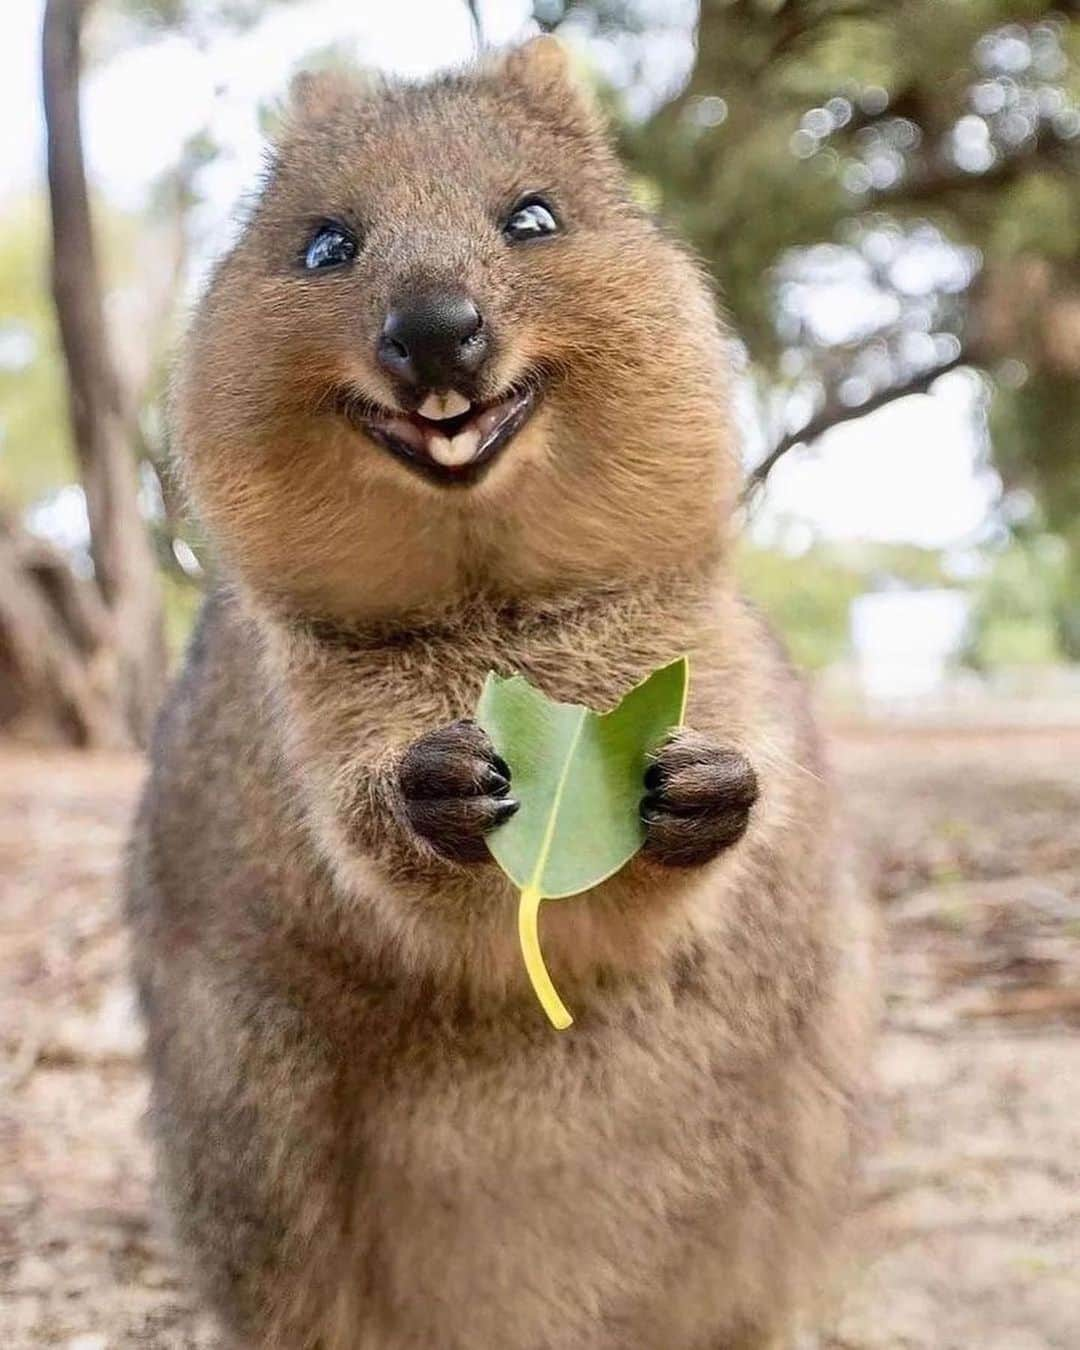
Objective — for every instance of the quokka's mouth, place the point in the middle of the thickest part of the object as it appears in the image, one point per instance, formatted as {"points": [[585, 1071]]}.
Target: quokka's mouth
{"points": [[448, 439]]}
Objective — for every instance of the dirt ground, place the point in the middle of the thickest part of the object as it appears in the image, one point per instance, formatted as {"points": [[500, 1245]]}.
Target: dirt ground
{"points": [[968, 1233]]}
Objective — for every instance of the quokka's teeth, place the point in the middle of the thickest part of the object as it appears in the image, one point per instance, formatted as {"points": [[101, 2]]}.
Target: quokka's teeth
{"points": [[438, 407], [453, 454]]}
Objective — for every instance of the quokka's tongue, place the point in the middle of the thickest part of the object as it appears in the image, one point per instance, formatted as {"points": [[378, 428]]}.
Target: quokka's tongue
{"points": [[454, 452]]}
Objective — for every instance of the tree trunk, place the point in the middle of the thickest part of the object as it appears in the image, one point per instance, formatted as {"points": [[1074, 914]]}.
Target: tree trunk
{"points": [[124, 567], [57, 665]]}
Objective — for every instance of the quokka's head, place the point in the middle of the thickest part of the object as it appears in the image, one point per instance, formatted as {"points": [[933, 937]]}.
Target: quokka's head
{"points": [[450, 350]]}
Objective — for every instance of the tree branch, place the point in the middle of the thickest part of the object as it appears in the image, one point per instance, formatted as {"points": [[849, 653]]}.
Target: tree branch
{"points": [[473, 6], [795, 21], [936, 183], [835, 413], [55, 667]]}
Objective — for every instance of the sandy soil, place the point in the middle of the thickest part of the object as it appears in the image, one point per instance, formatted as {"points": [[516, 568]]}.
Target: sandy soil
{"points": [[969, 1229]]}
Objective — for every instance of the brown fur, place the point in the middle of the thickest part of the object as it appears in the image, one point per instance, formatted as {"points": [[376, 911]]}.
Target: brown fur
{"points": [[369, 1135]]}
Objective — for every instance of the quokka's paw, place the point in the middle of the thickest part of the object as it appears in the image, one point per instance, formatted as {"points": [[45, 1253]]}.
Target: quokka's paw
{"points": [[698, 800], [455, 788]]}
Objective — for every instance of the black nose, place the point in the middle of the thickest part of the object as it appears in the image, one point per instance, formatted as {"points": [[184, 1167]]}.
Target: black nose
{"points": [[433, 340]]}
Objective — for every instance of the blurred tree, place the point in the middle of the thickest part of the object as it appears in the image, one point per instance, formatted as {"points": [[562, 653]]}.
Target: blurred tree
{"points": [[1017, 603], [808, 592], [1035, 424], [884, 189], [82, 649], [808, 598], [82, 654]]}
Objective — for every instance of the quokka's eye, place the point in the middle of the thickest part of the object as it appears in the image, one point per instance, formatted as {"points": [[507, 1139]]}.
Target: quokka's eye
{"points": [[532, 218], [330, 246]]}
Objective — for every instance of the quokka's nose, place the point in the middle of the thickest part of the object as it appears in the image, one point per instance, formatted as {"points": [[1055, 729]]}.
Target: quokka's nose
{"points": [[433, 341]]}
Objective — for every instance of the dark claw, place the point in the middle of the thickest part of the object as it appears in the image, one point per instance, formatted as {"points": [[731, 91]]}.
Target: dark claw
{"points": [[495, 783], [508, 807], [654, 775], [501, 766]]}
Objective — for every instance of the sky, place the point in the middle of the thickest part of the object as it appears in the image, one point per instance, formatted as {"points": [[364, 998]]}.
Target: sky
{"points": [[908, 473]]}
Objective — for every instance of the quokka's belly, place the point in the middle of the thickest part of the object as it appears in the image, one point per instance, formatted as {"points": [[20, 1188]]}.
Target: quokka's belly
{"points": [[650, 1213]]}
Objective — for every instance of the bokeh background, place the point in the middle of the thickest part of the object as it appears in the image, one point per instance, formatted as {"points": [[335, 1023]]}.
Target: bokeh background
{"points": [[888, 195]]}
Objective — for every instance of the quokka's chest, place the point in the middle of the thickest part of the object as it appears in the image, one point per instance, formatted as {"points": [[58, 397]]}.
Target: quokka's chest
{"points": [[425, 679]]}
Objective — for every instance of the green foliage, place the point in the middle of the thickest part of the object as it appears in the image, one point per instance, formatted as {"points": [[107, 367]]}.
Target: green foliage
{"points": [[835, 112], [579, 778], [807, 598], [181, 599], [149, 18], [1036, 431], [858, 124], [1018, 606], [1021, 607], [1035, 425], [1038, 215]]}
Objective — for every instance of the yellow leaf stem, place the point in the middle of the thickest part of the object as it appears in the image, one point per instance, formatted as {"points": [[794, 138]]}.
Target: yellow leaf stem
{"points": [[528, 932]]}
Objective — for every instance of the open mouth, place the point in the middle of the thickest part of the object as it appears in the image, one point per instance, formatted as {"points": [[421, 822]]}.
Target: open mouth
{"points": [[448, 439]]}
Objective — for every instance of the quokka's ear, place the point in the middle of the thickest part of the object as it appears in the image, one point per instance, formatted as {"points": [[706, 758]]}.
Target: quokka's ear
{"points": [[317, 94], [544, 69], [541, 62]]}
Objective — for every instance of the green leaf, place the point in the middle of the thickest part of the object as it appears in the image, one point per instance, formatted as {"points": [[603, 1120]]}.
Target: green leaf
{"points": [[578, 775]]}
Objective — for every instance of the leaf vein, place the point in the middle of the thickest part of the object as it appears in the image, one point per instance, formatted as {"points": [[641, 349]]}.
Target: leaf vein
{"points": [[560, 789]]}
